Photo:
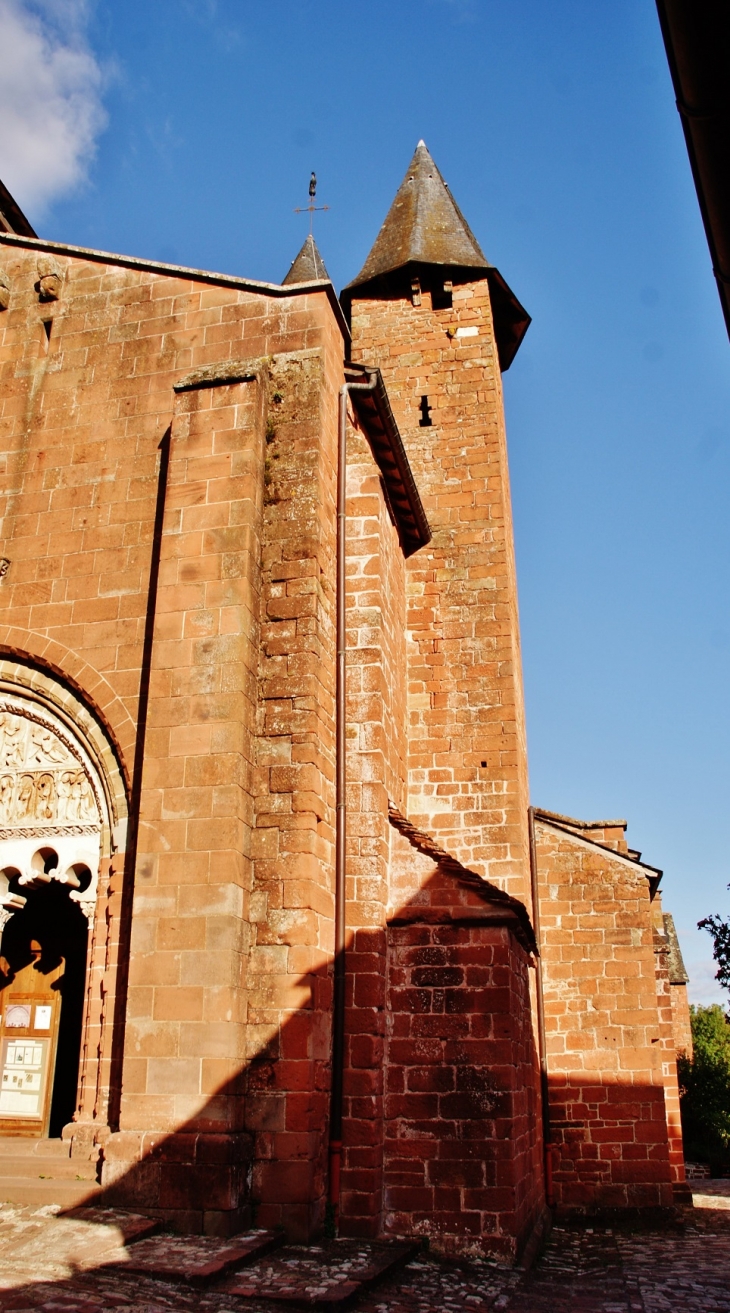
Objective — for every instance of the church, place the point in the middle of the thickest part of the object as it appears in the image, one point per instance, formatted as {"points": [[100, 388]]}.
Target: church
{"points": [[284, 942]]}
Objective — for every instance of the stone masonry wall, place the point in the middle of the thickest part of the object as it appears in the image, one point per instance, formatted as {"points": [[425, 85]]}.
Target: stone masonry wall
{"points": [[376, 714], [184, 1043], [606, 1038], [681, 1025], [466, 751], [87, 413], [668, 1043], [292, 901], [462, 1148]]}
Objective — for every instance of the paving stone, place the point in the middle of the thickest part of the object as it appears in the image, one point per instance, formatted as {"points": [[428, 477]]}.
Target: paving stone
{"points": [[44, 1242], [680, 1267], [132, 1226], [331, 1274], [197, 1260]]}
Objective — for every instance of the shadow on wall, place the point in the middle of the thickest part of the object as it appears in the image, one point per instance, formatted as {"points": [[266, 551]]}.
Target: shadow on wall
{"points": [[610, 1148], [441, 1110], [442, 1117]]}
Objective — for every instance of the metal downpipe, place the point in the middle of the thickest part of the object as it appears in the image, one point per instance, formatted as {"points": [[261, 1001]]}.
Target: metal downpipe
{"points": [[338, 1001]]}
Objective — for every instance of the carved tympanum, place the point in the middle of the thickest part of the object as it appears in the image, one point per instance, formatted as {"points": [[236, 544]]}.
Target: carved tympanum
{"points": [[43, 779]]}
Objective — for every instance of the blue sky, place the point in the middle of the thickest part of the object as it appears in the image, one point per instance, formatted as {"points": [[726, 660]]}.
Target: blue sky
{"points": [[185, 130]]}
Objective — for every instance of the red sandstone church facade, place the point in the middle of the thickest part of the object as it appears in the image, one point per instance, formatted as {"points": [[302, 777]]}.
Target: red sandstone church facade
{"points": [[174, 791]]}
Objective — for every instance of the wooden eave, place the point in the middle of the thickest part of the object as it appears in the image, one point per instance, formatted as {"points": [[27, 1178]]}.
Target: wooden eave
{"points": [[377, 421]]}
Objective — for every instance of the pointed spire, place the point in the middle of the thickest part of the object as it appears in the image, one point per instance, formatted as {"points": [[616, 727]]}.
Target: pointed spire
{"points": [[425, 229], [424, 225], [308, 267]]}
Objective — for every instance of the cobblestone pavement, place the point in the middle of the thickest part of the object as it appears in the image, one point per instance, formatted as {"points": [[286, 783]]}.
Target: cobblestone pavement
{"points": [[63, 1265]]}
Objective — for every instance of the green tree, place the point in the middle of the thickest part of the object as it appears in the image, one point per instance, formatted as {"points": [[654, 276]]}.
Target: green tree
{"points": [[704, 1087], [720, 931]]}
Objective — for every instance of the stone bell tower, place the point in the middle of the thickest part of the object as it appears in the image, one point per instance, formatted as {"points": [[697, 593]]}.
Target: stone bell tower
{"points": [[441, 324]]}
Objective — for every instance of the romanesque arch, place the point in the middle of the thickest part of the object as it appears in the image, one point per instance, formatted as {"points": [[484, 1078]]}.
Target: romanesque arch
{"points": [[63, 814]]}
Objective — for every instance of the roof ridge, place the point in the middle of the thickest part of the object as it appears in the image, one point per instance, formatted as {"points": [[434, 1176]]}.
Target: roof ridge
{"points": [[583, 825]]}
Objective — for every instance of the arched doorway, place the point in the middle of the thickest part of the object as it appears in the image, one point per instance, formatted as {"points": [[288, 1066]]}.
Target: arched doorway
{"points": [[57, 823], [42, 975]]}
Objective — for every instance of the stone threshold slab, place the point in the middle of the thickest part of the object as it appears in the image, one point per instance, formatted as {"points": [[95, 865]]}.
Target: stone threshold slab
{"points": [[133, 1226], [328, 1275], [195, 1260]]}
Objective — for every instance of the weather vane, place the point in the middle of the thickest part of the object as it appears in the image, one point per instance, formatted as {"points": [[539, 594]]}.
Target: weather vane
{"points": [[311, 208]]}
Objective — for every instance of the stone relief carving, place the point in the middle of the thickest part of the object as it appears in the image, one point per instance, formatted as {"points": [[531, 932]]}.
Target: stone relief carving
{"points": [[40, 832], [42, 776], [48, 792]]}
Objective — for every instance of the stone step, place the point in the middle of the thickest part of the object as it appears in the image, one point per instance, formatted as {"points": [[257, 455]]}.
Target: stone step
{"points": [[26, 1190], [328, 1275], [49, 1169], [18, 1146], [196, 1260]]}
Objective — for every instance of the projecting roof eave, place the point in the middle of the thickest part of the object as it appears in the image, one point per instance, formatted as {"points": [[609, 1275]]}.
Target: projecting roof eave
{"points": [[12, 218], [653, 873], [511, 320], [377, 421], [697, 41]]}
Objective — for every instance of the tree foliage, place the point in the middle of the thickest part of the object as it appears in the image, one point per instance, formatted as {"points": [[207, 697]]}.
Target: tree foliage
{"points": [[704, 1087], [720, 931]]}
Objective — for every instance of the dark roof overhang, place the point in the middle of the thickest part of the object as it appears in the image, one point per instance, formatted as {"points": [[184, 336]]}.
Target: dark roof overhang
{"points": [[377, 421], [697, 39], [12, 219]]}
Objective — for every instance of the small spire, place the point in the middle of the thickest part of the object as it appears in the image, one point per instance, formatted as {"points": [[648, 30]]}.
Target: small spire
{"points": [[308, 267]]}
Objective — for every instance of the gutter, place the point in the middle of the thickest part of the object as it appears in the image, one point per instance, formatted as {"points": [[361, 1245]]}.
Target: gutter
{"points": [[697, 39]]}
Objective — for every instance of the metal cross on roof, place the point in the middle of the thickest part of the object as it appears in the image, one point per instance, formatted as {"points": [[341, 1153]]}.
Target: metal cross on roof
{"points": [[311, 208]]}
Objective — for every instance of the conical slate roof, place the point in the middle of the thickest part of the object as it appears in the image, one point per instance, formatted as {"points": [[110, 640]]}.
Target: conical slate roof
{"points": [[308, 267], [424, 224], [426, 235]]}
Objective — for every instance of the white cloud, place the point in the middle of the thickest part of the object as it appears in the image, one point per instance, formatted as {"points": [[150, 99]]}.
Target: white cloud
{"points": [[50, 100]]}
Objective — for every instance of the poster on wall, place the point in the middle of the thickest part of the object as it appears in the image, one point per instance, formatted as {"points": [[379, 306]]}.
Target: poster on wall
{"points": [[24, 1066]]}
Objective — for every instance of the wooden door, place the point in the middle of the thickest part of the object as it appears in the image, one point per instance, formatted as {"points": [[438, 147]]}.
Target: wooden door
{"points": [[29, 1020]]}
